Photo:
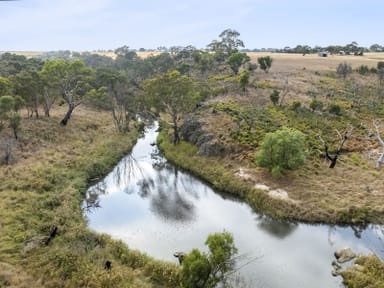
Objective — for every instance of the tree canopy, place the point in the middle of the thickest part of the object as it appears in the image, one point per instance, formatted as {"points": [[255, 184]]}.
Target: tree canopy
{"points": [[171, 93], [71, 79]]}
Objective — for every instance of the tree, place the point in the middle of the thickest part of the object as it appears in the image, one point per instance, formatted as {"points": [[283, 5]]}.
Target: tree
{"points": [[28, 85], [4, 86], [236, 60], [243, 80], [71, 81], [281, 150], [171, 93], [265, 63], [342, 138], [207, 270], [376, 48], [229, 43], [275, 96], [229, 40], [380, 159], [9, 107], [118, 97], [344, 69]]}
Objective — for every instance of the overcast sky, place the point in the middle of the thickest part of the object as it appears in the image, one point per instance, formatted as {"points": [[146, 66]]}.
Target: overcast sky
{"points": [[108, 24]]}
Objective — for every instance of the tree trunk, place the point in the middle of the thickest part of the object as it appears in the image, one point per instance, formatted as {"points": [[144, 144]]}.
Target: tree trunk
{"points": [[333, 162], [15, 133], [46, 111], [67, 116], [176, 137], [8, 153]]}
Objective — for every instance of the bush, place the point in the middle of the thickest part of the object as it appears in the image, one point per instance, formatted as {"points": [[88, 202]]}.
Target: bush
{"points": [[343, 69], [316, 105], [296, 105], [281, 150], [265, 63], [209, 269], [363, 69], [275, 96], [334, 109]]}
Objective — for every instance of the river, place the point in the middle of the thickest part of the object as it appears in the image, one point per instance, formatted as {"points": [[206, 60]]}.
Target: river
{"points": [[158, 209]]}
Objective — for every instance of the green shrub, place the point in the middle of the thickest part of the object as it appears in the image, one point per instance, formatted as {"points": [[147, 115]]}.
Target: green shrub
{"points": [[281, 150], [296, 105], [275, 96], [316, 105], [334, 109], [362, 69], [207, 270]]}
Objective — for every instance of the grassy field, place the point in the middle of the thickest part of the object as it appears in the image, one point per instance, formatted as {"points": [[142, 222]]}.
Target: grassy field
{"points": [[350, 193], [44, 187]]}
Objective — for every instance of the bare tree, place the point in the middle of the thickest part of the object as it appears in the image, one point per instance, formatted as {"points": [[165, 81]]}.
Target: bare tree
{"points": [[333, 158], [380, 160], [7, 147]]}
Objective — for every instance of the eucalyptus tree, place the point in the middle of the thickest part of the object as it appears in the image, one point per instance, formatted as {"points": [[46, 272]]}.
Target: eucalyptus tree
{"points": [[119, 95], [4, 86], [173, 94], [29, 86], [9, 112], [228, 43], [70, 79], [236, 60]]}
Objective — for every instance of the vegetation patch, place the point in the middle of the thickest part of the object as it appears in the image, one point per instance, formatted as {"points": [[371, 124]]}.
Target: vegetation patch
{"points": [[45, 189], [366, 272]]}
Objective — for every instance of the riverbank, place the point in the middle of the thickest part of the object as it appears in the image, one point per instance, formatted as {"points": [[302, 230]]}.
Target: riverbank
{"points": [[44, 188], [367, 271], [229, 176]]}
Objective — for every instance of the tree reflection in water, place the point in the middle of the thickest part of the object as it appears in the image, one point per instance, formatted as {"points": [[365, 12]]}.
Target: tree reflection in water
{"points": [[168, 194], [92, 199], [159, 182], [279, 229]]}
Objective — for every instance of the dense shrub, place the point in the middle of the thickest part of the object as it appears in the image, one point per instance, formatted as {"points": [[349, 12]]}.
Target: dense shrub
{"points": [[281, 150]]}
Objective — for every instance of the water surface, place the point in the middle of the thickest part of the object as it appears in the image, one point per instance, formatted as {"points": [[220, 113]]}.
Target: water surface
{"points": [[153, 206]]}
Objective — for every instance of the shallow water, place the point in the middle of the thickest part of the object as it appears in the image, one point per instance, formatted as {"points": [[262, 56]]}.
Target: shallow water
{"points": [[153, 206]]}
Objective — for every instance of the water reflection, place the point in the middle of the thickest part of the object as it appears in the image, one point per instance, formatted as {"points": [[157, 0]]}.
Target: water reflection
{"points": [[275, 228], [159, 209]]}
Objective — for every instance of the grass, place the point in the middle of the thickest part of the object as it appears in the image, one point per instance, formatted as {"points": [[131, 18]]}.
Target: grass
{"points": [[45, 187], [367, 272]]}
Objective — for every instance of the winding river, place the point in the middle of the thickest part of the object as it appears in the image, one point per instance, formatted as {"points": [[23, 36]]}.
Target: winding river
{"points": [[155, 207]]}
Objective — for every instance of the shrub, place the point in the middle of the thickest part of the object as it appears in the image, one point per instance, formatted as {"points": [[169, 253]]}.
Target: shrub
{"points": [[265, 63], [334, 109], [275, 96], [281, 150], [316, 105], [362, 69], [207, 270], [296, 105], [343, 69]]}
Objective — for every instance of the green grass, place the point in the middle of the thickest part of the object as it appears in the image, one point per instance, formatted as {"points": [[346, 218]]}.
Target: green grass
{"points": [[45, 188]]}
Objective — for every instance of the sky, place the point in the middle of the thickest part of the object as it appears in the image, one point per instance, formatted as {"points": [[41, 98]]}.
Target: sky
{"points": [[87, 25]]}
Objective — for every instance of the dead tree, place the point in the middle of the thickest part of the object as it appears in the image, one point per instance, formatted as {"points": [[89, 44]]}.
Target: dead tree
{"points": [[7, 146], [380, 159], [333, 158]]}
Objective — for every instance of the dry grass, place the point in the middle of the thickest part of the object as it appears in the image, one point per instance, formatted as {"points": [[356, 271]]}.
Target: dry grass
{"points": [[45, 187], [352, 192], [284, 63]]}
